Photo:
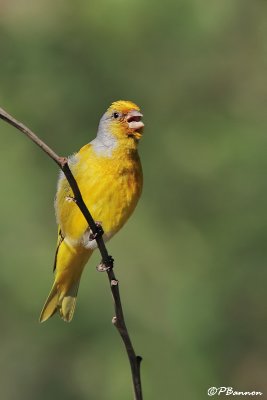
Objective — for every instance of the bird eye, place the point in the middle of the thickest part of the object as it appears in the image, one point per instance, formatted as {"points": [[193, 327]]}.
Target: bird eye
{"points": [[116, 115]]}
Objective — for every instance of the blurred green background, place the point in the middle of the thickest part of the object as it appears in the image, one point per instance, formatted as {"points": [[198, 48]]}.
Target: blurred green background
{"points": [[192, 260]]}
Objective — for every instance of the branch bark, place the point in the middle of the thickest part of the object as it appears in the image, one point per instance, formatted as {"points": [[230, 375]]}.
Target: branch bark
{"points": [[107, 260]]}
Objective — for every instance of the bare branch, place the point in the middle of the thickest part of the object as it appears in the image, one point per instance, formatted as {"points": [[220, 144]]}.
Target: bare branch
{"points": [[12, 121], [107, 260]]}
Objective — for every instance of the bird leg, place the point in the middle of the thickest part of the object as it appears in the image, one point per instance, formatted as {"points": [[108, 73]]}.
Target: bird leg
{"points": [[99, 231], [70, 198], [89, 238]]}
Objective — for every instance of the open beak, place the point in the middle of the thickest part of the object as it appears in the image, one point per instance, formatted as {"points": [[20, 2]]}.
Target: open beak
{"points": [[133, 119]]}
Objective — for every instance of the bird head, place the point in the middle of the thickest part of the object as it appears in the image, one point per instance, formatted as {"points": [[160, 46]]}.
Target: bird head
{"points": [[122, 122]]}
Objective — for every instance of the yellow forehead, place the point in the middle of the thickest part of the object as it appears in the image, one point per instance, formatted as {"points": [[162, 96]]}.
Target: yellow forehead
{"points": [[123, 106]]}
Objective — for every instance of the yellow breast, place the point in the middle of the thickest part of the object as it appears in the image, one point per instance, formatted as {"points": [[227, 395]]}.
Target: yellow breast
{"points": [[110, 185]]}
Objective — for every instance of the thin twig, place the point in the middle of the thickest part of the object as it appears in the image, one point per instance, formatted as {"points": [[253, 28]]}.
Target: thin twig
{"points": [[107, 260]]}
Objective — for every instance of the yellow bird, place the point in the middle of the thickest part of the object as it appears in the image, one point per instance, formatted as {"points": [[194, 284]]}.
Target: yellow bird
{"points": [[109, 174]]}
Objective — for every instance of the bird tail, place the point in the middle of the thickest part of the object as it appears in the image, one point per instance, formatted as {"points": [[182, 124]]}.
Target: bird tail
{"points": [[63, 303], [69, 266]]}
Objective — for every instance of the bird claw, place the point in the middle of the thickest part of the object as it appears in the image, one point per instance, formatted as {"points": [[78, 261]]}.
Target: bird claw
{"points": [[103, 267], [99, 231], [70, 199]]}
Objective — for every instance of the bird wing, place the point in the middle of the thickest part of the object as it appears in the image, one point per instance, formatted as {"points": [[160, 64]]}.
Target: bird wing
{"points": [[60, 239]]}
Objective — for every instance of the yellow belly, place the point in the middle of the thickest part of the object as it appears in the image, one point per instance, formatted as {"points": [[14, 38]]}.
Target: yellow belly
{"points": [[110, 186]]}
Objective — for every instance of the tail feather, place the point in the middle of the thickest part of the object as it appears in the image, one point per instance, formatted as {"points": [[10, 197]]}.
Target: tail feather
{"points": [[58, 301], [69, 263], [51, 304], [68, 303]]}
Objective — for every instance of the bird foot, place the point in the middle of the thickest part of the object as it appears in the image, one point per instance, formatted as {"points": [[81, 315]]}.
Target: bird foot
{"points": [[107, 266], [70, 199], [99, 231]]}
